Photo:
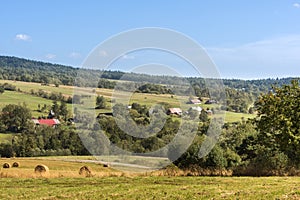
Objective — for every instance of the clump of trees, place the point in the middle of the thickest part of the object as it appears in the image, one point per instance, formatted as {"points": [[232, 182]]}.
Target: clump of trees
{"points": [[267, 145], [100, 102], [15, 118], [7, 86], [31, 140]]}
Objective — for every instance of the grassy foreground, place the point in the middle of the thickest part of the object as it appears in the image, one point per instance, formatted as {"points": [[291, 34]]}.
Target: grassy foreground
{"points": [[64, 182], [151, 188]]}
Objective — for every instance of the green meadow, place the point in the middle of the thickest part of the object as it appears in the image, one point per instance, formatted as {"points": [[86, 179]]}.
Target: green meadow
{"points": [[14, 97], [152, 188]]}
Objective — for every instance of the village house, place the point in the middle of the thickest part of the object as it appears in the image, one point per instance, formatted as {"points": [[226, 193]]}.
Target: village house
{"points": [[47, 122], [174, 111], [195, 101], [211, 101]]}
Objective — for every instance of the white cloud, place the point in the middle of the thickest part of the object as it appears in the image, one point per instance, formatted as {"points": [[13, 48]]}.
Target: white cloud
{"points": [[103, 53], [50, 56], [75, 55], [128, 57], [23, 37], [296, 5]]}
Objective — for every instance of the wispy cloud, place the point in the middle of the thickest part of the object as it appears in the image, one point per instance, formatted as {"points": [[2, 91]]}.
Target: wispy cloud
{"points": [[273, 57], [23, 37], [128, 57], [296, 5], [75, 55], [50, 56], [103, 53]]}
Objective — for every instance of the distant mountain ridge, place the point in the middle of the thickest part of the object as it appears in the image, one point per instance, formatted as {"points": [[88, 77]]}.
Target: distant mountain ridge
{"points": [[20, 69]]}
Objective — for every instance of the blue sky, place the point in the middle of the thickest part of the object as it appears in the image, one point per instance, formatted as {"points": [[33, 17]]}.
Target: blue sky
{"points": [[246, 39]]}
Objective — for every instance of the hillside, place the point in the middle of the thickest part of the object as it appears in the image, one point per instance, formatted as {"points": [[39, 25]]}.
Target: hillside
{"points": [[239, 147], [20, 69]]}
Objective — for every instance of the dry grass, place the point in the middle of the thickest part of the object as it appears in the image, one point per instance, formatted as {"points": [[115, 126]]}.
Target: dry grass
{"points": [[57, 168]]}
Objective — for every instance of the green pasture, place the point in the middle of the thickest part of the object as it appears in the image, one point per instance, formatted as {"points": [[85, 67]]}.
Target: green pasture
{"points": [[152, 187], [14, 97]]}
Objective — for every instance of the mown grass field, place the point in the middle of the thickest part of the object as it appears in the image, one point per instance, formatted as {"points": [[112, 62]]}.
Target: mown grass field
{"points": [[13, 97], [10, 97], [28, 86], [64, 182]]}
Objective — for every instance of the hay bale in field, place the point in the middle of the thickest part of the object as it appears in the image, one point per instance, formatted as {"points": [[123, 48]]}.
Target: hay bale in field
{"points": [[16, 164], [41, 169], [6, 165], [86, 171], [106, 165]]}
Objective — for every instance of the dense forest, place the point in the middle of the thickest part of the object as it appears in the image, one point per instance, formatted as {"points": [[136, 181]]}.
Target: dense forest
{"points": [[19, 69]]}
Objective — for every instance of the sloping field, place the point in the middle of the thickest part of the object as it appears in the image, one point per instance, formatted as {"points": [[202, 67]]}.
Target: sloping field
{"points": [[142, 98]]}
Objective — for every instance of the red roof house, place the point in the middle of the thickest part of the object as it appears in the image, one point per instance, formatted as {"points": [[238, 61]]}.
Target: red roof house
{"points": [[48, 122]]}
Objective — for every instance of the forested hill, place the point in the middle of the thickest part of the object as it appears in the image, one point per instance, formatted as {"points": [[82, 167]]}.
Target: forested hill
{"points": [[13, 68], [19, 69]]}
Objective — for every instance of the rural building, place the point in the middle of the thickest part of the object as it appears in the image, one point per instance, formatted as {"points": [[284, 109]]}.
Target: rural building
{"points": [[210, 101], [197, 108], [48, 122], [195, 101], [104, 114], [209, 112], [175, 111], [51, 114]]}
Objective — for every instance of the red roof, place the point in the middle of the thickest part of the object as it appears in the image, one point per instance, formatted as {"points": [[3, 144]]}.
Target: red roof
{"points": [[49, 122]]}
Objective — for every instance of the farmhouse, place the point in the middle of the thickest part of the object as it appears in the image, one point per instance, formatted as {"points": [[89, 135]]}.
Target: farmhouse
{"points": [[48, 122], [104, 114], [195, 101], [209, 112], [175, 111], [210, 101]]}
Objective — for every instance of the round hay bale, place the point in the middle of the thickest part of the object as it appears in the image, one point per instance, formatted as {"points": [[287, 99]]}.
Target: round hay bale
{"points": [[106, 165], [6, 165], [41, 169], [85, 170], [16, 164]]}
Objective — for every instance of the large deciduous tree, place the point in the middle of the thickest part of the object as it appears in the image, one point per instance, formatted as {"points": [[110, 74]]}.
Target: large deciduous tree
{"points": [[15, 118], [279, 120]]}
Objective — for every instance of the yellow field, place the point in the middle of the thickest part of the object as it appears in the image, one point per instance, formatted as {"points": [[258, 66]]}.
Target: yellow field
{"points": [[57, 168]]}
